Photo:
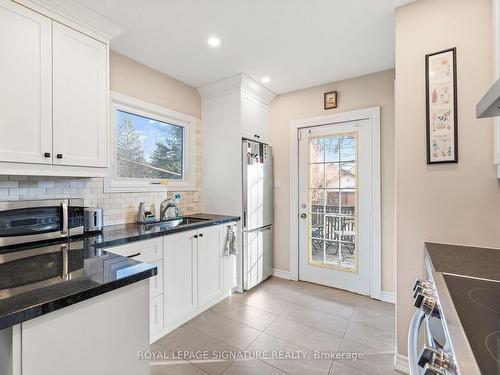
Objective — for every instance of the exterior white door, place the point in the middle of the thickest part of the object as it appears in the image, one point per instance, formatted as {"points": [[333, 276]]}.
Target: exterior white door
{"points": [[334, 205], [80, 98], [26, 81]]}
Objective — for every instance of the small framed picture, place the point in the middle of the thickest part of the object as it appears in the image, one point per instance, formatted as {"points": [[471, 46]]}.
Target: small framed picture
{"points": [[441, 107], [330, 100]]}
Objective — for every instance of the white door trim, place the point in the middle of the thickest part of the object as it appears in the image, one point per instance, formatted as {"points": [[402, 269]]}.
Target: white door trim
{"points": [[373, 115]]}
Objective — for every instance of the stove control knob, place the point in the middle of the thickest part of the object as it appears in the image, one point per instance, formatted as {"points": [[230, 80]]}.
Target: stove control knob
{"points": [[418, 283], [429, 306], [422, 290], [436, 362], [426, 356], [433, 370], [418, 301]]}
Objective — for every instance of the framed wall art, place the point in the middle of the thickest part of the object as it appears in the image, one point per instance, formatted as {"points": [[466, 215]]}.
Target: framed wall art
{"points": [[330, 100], [441, 107]]}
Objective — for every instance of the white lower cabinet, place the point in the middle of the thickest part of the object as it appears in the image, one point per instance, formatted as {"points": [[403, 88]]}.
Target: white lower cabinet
{"points": [[149, 251], [193, 274], [180, 266], [210, 265]]}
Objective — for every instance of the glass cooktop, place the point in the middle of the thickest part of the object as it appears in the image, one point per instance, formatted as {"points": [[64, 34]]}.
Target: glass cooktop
{"points": [[478, 306]]}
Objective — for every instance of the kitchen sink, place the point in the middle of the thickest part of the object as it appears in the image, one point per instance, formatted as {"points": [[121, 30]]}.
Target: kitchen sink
{"points": [[172, 223]]}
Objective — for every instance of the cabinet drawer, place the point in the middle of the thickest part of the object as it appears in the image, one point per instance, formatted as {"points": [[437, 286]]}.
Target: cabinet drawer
{"points": [[144, 251], [156, 315], [156, 282]]}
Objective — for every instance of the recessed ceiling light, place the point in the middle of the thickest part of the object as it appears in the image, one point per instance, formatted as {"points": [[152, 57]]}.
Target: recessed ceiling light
{"points": [[213, 41], [265, 79]]}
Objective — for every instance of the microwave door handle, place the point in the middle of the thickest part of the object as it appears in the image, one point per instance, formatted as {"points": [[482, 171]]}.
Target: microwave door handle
{"points": [[64, 207]]}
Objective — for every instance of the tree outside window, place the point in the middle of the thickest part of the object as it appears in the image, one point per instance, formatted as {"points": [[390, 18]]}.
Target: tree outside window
{"points": [[147, 148]]}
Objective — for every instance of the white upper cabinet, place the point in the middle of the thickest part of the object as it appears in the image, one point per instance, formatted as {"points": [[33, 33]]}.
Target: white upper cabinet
{"points": [[80, 98], [249, 116], [26, 85], [254, 118], [54, 90]]}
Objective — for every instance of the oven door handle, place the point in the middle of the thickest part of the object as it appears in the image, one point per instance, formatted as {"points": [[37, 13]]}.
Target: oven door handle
{"points": [[64, 207], [413, 333]]}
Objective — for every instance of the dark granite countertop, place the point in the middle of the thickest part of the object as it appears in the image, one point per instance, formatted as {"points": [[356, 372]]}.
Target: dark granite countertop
{"points": [[36, 279], [115, 235], [478, 262]]}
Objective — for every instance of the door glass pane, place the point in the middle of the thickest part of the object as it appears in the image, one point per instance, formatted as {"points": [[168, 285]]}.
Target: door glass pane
{"points": [[332, 201], [317, 150], [348, 175], [317, 176], [333, 178], [332, 148], [317, 200], [348, 147], [332, 175], [317, 251]]}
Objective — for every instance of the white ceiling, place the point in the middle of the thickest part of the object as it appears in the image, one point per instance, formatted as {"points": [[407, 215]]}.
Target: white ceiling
{"points": [[297, 43]]}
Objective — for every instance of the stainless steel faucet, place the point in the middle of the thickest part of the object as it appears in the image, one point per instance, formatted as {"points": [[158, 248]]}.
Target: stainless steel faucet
{"points": [[168, 209]]}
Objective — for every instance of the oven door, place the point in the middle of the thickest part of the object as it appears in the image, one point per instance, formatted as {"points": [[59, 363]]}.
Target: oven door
{"points": [[29, 221]]}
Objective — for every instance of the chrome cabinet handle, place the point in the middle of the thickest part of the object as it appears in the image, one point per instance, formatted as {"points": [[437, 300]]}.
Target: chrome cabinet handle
{"points": [[201, 235], [64, 207], [303, 216], [133, 255]]}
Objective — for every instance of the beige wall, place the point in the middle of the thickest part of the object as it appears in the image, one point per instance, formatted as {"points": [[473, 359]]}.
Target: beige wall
{"points": [[457, 203], [139, 81], [361, 92]]}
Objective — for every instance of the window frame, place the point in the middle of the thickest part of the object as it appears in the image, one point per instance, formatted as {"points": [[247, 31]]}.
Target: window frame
{"points": [[121, 102]]}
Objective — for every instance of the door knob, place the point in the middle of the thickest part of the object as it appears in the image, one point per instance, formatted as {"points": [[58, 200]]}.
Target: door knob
{"points": [[303, 216]]}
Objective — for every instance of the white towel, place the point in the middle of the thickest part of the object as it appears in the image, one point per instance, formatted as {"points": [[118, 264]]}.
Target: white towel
{"points": [[231, 247]]}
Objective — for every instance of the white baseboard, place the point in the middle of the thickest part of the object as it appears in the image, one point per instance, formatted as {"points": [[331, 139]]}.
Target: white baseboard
{"points": [[401, 363], [388, 297], [281, 274]]}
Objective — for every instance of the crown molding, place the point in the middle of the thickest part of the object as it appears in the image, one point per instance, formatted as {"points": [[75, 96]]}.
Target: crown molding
{"points": [[239, 82], [76, 15]]}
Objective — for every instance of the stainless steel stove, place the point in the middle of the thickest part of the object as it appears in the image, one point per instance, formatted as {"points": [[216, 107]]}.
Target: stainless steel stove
{"points": [[458, 318]]}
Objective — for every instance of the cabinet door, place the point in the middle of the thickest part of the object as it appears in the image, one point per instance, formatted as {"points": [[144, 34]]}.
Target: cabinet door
{"points": [[180, 265], [254, 118], [26, 82], [210, 264], [80, 98]]}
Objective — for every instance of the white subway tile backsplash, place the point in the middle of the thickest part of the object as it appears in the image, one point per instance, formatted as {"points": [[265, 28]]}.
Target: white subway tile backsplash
{"points": [[119, 208]]}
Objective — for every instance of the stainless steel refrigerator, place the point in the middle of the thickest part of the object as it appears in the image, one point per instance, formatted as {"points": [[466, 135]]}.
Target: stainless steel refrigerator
{"points": [[258, 242]]}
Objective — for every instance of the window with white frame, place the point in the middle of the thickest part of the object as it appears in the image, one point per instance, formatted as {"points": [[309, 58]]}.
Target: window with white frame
{"points": [[149, 144]]}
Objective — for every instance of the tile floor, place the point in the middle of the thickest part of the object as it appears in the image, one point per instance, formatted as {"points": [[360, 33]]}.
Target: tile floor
{"points": [[280, 317]]}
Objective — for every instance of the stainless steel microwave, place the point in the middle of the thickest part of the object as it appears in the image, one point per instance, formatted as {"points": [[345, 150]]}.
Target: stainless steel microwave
{"points": [[39, 220]]}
